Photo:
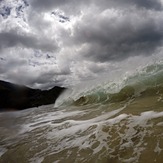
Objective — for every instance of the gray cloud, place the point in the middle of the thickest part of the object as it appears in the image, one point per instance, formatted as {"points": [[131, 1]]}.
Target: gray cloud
{"points": [[53, 79], [70, 5], [62, 42], [149, 4], [116, 38], [146, 4], [12, 39], [48, 3], [133, 31], [17, 72]]}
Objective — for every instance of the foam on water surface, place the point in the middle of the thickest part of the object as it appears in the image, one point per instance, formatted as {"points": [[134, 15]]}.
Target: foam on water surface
{"points": [[109, 135]]}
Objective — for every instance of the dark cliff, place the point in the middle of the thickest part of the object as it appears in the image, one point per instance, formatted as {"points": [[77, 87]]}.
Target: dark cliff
{"points": [[17, 97]]}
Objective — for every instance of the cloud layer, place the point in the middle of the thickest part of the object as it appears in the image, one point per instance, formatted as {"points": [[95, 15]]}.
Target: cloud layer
{"points": [[63, 42]]}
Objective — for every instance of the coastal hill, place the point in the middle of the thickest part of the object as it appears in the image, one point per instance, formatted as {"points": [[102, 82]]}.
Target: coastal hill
{"points": [[16, 97]]}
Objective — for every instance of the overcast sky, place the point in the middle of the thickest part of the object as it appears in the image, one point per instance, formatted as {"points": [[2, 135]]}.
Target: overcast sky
{"points": [[62, 42]]}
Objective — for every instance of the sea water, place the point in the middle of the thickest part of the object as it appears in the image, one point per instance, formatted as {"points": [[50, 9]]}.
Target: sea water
{"points": [[113, 122]]}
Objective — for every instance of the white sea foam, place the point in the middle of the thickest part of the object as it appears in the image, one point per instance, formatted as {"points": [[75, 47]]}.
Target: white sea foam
{"points": [[66, 131], [70, 135], [2, 151]]}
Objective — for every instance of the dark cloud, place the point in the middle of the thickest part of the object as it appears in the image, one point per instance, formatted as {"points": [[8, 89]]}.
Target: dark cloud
{"points": [[12, 39], [149, 4], [72, 7], [48, 4], [42, 5], [103, 4], [133, 31], [5, 11], [146, 4], [62, 18], [118, 38]]}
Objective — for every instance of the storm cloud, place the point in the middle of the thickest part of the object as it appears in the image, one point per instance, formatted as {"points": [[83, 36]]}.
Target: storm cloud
{"points": [[103, 4], [63, 42], [12, 39], [120, 36]]}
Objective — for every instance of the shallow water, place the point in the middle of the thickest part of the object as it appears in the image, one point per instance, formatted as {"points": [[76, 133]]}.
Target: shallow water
{"points": [[129, 131]]}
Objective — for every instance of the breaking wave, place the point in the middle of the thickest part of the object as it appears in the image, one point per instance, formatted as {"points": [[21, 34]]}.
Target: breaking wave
{"points": [[145, 82]]}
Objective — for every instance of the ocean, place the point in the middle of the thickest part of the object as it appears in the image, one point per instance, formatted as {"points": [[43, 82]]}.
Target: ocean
{"points": [[118, 121]]}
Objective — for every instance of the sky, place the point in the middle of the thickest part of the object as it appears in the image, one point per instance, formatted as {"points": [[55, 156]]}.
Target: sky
{"points": [[63, 42]]}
